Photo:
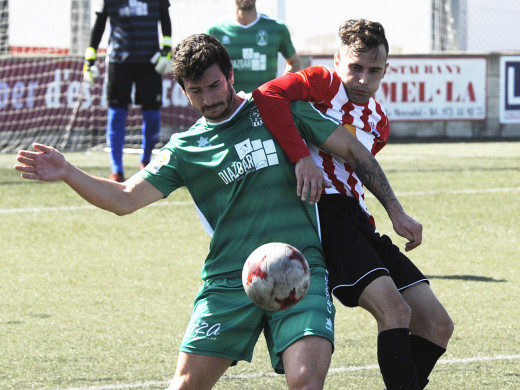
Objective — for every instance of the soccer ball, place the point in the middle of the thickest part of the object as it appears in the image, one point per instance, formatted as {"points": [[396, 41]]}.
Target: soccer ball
{"points": [[276, 276]]}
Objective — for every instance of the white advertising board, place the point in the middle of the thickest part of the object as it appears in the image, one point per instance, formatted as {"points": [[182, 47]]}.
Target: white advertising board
{"points": [[422, 88], [509, 100]]}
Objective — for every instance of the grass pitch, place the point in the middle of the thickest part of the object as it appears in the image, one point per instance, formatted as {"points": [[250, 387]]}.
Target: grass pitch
{"points": [[94, 301]]}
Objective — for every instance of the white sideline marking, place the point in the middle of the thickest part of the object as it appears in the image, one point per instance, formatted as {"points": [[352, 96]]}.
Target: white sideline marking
{"points": [[184, 203], [272, 374], [466, 191]]}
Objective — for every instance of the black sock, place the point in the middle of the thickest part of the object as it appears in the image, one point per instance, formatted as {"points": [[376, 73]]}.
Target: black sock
{"points": [[395, 360], [425, 355]]}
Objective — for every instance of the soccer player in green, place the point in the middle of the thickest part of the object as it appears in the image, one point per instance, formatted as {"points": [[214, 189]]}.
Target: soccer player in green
{"points": [[253, 41], [243, 186]]}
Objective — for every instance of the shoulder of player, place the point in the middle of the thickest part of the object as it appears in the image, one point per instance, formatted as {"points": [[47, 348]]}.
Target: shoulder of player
{"points": [[320, 74], [266, 19]]}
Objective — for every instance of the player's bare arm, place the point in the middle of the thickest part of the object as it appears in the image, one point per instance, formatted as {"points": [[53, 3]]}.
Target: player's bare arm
{"points": [[48, 164], [343, 144], [293, 64]]}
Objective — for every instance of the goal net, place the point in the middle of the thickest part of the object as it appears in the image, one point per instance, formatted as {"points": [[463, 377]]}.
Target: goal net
{"points": [[42, 95]]}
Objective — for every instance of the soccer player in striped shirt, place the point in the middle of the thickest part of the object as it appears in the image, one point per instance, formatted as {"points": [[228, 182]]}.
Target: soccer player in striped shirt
{"points": [[366, 269]]}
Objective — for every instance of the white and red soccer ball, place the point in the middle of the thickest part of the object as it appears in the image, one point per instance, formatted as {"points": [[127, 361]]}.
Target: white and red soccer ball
{"points": [[276, 276]]}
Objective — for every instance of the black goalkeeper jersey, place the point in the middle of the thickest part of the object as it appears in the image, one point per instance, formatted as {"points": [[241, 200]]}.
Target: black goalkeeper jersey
{"points": [[134, 33]]}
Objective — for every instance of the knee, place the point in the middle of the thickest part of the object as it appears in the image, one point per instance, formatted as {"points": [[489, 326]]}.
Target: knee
{"points": [[439, 330], [445, 328], [394, 315], [305, 382]]}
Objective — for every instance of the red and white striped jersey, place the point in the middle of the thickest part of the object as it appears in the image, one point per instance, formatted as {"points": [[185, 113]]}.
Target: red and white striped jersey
{"points": [[322, 86]]}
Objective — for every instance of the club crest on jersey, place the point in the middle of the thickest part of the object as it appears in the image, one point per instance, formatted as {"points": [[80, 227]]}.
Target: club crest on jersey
{"points": [[226, 40], [262, 38], [256, 119]]}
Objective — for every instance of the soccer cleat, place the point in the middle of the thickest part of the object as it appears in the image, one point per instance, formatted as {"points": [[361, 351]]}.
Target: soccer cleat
{"points": [[117, 177]]}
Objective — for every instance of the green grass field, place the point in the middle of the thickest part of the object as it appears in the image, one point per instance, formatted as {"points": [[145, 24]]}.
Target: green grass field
{"points": [[92, 301]]}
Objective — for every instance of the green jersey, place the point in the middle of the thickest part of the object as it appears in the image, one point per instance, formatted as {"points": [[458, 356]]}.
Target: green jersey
{"points": [[254, 49], [243, 185]]}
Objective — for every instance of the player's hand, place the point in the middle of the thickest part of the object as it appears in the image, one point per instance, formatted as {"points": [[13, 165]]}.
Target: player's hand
{"points": [[45, 164], [90, 70], [409, 228], [309, 180], [162, 59]]}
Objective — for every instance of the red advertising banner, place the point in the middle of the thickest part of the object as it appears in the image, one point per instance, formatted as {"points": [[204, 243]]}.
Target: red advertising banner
{"points": [[44, 93]]}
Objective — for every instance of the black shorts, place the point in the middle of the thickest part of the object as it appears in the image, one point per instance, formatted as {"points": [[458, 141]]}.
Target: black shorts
{"points": [[148, 85], [355, 254]]}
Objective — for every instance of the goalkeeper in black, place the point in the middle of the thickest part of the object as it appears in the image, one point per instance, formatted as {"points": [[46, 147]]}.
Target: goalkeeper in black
{"points": [[134, 57]]}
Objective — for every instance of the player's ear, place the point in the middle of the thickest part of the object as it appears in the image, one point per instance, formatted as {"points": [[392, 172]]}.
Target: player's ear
{"points": [[231, 77], [384, 72]]}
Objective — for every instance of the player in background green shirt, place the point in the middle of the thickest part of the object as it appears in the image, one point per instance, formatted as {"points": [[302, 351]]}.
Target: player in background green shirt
{"points": [[253, 41], [243, 185]]}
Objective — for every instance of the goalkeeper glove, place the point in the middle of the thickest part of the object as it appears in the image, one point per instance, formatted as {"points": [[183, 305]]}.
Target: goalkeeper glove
{"points": [[90, 71], [162, 58]]}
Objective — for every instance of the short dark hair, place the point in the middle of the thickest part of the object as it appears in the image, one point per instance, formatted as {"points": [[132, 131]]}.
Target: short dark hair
{"points": [[196, 53], [362, 35]]}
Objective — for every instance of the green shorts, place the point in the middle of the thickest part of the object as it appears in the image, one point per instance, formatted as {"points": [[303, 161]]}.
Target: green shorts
{"points": [[226, 323]]}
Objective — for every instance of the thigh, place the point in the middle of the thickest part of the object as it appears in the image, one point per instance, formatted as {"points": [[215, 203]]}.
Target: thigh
{"points": [[381, 296], [148, 87], [119, 86], [382, 299]]}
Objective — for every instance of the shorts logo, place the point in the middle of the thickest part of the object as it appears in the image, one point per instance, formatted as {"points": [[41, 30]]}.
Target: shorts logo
{"points": [[327, 293], [328, 324], [203, 330]]}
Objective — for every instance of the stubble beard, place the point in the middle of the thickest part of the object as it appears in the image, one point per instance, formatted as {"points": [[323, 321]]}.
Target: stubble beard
{"points": [[228, 110]]}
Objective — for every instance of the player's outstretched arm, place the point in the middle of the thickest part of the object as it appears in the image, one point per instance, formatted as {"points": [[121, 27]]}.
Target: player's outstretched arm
{"points": [[343, 144], [48, 164]]}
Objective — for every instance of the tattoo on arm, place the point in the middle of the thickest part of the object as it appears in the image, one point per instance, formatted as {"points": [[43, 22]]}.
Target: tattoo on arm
{"points": [[373, 177]]}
